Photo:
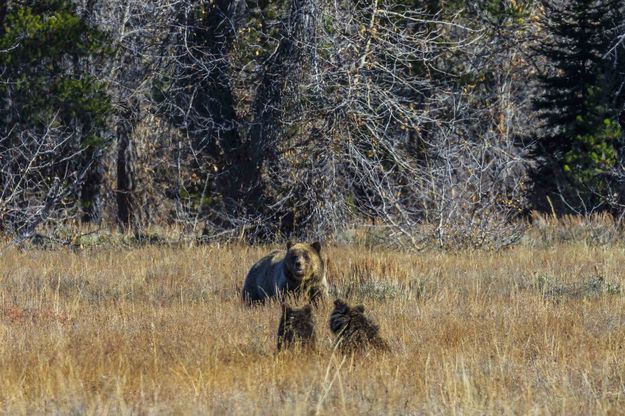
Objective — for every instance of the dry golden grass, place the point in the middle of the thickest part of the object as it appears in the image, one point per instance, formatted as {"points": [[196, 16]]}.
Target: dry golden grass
{"points": [[161, 330]]}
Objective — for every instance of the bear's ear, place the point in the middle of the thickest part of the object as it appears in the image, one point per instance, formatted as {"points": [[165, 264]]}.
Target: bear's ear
{"points": [[317, 246], [289, 244], [307, 308], [359, 308]]}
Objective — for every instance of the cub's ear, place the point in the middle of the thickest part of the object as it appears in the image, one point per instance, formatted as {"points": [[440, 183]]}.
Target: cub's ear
{"points": [[289, 244], [307, 308], [317, 246], [359, 308]]}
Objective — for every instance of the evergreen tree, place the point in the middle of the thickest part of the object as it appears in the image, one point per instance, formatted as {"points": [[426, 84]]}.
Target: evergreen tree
{"points": [[46, 49], [578, 104]]}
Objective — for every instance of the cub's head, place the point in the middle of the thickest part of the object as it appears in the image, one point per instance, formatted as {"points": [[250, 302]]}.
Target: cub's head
{"points": [[342, 307], [294, 315], [303, 261]]}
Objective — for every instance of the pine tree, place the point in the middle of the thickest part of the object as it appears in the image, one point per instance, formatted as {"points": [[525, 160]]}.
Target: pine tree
{"points": [[578, 105], [46, 47]]}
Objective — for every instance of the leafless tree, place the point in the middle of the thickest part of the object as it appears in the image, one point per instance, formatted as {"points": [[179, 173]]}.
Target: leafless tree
{"points": [[31, 191], [357, 113], [371, 127], [303, 118], [139, 32]]}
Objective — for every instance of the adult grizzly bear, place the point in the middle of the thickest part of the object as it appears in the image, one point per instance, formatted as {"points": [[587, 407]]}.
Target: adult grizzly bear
{"points": [[298, 270]]}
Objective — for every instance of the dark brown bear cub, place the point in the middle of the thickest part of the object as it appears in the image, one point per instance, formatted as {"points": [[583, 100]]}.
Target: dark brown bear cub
{"points": [[297, 326], [353, 330]]}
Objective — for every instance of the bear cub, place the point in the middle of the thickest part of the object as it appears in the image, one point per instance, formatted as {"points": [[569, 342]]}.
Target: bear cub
{"points": [[297, 326], [353, 330]]}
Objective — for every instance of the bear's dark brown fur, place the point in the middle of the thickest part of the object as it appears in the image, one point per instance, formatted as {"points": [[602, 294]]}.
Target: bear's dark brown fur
{"points": [[297, 326], [353, 330], [298, 270]]}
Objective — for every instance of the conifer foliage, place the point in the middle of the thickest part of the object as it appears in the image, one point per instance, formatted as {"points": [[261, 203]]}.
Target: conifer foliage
{"points": [[579, 103], [53, 110]]}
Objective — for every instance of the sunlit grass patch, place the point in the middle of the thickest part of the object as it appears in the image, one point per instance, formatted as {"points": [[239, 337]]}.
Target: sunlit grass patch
{"points": [[157, 329]]}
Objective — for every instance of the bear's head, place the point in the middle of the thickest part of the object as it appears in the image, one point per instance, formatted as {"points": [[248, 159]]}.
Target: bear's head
{"points": [[341, 307], [294, 315], [303, 261]]}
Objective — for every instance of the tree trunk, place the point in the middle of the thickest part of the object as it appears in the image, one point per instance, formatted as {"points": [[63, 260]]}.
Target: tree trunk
{"points": [[126, 157], [237, 174], [298, 28], [91, 187]]}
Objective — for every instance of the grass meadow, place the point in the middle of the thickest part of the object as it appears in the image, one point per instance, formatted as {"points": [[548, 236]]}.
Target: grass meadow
{"points": [[160, 330]]}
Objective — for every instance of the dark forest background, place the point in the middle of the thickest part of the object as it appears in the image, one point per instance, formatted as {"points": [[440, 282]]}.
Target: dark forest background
{"points": [[437, 122]]}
